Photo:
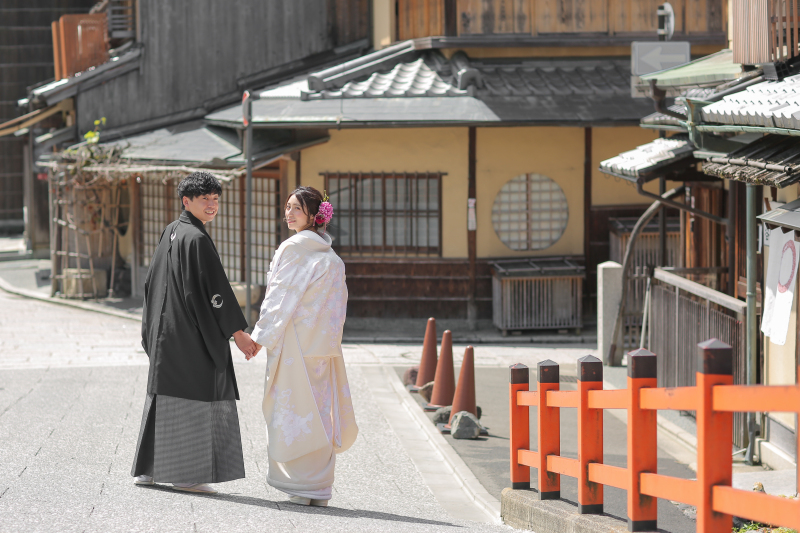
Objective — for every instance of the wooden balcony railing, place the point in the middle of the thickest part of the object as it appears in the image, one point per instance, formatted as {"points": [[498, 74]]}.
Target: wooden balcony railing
{"points": [[765, 31]]}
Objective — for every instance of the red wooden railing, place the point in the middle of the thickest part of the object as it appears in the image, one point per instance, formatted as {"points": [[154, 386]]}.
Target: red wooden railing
{"points": [[714, 398]]}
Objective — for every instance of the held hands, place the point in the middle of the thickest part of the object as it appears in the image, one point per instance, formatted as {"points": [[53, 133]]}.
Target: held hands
{"points": [[246, 344]]}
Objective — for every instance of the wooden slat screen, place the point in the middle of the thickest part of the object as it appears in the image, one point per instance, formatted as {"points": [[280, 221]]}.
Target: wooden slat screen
{"points": [[386, 214], [159, 205], [228, 228], [422, 18], [765, 31], [419, 18]]}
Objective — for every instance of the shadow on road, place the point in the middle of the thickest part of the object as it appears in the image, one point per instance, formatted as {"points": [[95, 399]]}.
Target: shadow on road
{"points": [[286, 506]]}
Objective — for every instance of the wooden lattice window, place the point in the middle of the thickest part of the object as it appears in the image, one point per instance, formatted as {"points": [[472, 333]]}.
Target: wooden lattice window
{"points": [[530, 212], [386, 214], [228, 227], [160, 205]]}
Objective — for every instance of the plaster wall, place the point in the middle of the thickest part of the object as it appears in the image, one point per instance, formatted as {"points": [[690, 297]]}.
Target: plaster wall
{"points": [[501, 154], [504, 153], [607, 143], [402, 150]]}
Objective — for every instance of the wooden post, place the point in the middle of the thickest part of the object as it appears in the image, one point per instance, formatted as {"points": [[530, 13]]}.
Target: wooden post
{"points": [[714, 433], [642, 443], [135, 225], [519, 380], [591, 265], [548, 431], [472, 306], [590, 435], [283, 168]]}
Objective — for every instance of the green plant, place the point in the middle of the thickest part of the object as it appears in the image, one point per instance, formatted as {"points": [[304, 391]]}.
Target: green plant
{"points": [[752, 526], [93, 136]]}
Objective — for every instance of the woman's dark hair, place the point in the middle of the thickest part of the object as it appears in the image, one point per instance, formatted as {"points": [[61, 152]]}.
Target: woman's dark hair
{"points": [[309, 199], [197, 184]]}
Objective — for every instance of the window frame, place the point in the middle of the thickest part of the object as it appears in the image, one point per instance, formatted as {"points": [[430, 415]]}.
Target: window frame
{"points": [[384, 250], [529, 218]]}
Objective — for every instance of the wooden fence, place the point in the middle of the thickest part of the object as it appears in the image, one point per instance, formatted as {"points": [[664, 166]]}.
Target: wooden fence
{"points": [[714, 398], [765, 30]]}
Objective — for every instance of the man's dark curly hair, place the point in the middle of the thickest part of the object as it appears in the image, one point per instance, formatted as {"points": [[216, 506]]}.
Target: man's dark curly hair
{"points": [[197, 184]]}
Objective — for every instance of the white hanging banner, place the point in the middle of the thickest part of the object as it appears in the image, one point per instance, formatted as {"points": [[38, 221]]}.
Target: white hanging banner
{"points": [[781, 277]]}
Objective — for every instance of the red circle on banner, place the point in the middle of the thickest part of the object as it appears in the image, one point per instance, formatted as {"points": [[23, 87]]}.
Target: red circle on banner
{"points": [[783, 287]]}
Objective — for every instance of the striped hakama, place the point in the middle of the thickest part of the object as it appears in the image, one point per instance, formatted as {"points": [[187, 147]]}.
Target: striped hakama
{"points": [[189, 441]]}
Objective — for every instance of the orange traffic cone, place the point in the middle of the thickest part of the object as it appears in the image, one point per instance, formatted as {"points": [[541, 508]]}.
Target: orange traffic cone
{"points": [[464, 399], [427, 366], [444, 385]]}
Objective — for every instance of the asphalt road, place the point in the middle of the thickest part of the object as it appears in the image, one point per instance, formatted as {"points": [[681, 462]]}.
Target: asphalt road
{"points": [[72, 387]]}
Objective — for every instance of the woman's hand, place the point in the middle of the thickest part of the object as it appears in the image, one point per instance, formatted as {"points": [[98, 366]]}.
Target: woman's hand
{"points": [[258, 349], [245, 344]]}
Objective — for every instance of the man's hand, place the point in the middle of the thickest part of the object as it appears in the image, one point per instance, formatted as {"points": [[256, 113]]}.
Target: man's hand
{"points": [[245, 344]]}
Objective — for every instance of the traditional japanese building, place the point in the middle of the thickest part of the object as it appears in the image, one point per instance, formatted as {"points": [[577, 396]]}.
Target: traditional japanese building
{"points": [[471, 133]]}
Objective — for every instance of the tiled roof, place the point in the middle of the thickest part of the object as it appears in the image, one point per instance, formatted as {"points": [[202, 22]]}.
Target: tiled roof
{"points": [[400, 84], [559, 90], [553, 77], [660, 119], [772, 160], [770, 103], [415, 78], [647, 157]]}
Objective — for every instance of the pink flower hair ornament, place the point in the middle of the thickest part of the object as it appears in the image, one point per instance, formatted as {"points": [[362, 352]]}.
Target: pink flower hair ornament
{"points": [[325, 213]]}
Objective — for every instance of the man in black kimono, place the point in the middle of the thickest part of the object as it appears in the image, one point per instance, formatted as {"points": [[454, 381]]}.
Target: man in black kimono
{"points": [[190, 429]]}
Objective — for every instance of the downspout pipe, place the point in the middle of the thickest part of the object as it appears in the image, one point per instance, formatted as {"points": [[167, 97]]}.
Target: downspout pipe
{"points": [[752, 325], [671, 203], [611, 356], [247, 115]]}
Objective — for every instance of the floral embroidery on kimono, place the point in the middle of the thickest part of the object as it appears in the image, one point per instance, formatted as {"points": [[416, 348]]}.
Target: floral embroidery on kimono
{"points": [[291, 425]]}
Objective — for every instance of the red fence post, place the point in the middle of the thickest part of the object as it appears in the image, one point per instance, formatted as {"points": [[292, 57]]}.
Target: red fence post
{"points": [[590, 435], [548, 431], [714, 434], [642, 441], [519, 380]]}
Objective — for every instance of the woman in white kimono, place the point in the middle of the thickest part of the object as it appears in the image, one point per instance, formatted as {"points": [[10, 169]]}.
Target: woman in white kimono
{"points": [[307, 403]]}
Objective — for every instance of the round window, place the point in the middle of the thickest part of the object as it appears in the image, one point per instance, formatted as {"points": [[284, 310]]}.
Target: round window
{"points": [[530, 212]]}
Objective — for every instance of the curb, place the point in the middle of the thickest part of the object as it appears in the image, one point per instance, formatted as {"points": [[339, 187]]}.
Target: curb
{"points": [[461, 472], [98, 308], [522, 509], [7, 287]]}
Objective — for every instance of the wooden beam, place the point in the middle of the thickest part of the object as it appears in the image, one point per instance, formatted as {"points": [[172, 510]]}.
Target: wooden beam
{"points": [[283, 166], [34, 117], [472, 310]]}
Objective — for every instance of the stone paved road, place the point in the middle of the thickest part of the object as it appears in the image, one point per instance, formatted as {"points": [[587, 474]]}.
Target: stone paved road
{"points": [[72, 386]]}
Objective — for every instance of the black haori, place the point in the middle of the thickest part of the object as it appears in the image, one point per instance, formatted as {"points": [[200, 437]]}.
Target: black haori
{"points": [[190, 428]]}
